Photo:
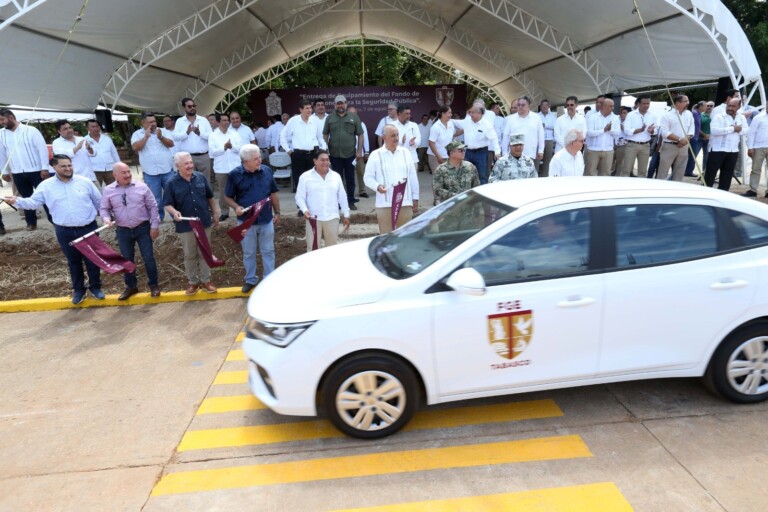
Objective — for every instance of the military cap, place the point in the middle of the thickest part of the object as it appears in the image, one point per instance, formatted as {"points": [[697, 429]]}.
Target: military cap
{"points": [[454, 144]]}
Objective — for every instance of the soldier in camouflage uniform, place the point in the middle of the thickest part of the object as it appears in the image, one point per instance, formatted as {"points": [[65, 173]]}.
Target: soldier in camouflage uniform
{"points": [[455, 175], [516, 165]]}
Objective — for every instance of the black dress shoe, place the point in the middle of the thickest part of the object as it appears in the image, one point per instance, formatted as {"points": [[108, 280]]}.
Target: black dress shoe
{"points": [[247, 287], [154, 291], [356, 200], [127, 293], [363, 194], [749, 193], [353, 207], [222, 218]]}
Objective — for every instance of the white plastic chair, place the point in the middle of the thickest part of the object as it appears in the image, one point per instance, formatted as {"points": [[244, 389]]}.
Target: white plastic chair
{"points": [[280, 163]]}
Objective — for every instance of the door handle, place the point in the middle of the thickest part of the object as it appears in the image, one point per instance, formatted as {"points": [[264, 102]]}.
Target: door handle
{"points": [[575, 302], [729, 284]]}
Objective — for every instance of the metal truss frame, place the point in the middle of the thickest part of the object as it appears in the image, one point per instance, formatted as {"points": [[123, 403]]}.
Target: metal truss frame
{"points": [[261, 43], [22, 8], [180, 34], [276, 71], [707, 23], [546, 34]]}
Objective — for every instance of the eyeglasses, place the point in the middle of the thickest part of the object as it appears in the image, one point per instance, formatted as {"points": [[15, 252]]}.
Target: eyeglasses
{"points": [[190, 105]]}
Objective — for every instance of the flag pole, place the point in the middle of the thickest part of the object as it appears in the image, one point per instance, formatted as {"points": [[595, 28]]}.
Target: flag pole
{"points": [[9, 204], [102, 228], [189, 218]]}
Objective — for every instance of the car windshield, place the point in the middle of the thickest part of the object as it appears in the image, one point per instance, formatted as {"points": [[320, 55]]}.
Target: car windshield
{"points": [[427, 238]]}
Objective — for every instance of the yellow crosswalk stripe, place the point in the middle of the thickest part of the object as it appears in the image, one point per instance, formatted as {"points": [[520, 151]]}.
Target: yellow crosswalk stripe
{"points": [[218, 404], [240, 336], [236, 377], [600, 497], [235, 355], [320, 429], [541, 449]]}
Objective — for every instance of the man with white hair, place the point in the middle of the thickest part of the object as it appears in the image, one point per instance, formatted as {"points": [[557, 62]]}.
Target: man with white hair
{"points": [[189, 194], [248, 184], [569, 160], [390, 118], [480, 137]]}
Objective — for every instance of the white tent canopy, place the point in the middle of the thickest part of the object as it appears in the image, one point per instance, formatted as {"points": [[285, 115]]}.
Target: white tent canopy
{"points": [[149, 54]]}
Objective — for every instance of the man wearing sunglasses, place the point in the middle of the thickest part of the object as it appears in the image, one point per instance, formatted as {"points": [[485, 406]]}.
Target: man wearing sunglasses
{"points": [[191, 136], [132, 207], [571, 120]]}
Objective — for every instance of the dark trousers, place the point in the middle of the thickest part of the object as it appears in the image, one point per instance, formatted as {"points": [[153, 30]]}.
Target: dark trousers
{"points": [[26, 183], [724, 162], [653, 166], [127, 238], [696, 145], [301, 161], [344, 167], [479, 157], [75, 260]]}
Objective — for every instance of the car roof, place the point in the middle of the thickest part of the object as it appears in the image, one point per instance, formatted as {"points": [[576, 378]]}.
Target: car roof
{"points": [[519, 193]]}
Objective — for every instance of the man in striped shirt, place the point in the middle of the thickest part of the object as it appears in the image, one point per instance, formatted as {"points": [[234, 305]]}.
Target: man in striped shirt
{"points": [[23, 154]]}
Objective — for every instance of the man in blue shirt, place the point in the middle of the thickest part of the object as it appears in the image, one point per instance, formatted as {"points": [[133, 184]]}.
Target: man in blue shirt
{"points": [[248, 184], [73, 202], [188, 194]]}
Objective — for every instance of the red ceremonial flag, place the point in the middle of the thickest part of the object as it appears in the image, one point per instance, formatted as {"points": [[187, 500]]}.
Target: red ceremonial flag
{"points": [[398, 192], [237, 233], [103, 256], [313, 225], [204, 244]]}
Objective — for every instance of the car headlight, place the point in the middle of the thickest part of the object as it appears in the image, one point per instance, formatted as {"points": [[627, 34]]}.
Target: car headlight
{"points": [[280, 335]]}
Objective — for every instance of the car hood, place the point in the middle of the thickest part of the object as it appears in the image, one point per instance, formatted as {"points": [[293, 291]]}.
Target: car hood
{"points": [[313, 285]]}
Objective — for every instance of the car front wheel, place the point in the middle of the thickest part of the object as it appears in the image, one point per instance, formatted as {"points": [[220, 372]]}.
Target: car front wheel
{"points": [[739, 369], [370, 397]]}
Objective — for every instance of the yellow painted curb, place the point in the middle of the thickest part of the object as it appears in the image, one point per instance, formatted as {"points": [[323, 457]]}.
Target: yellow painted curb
{"points": [[55, 303]]}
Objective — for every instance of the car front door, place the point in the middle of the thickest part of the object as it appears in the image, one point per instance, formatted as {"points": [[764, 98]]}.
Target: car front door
{"points": [[539, 319]]}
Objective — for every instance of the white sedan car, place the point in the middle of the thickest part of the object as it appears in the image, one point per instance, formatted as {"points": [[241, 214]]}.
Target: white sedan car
{"points": [[514, 287]]}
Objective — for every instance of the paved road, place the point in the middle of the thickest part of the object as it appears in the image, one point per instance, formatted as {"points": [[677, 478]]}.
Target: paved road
{"points": [[146, 408]]}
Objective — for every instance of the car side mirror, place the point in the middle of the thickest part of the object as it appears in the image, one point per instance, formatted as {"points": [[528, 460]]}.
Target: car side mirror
{"points": [[467, 280]]}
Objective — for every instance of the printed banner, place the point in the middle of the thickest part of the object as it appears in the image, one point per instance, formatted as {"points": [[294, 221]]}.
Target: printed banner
{"points": [[237, 233], [103, 256], [204, 244], [398, 192]]}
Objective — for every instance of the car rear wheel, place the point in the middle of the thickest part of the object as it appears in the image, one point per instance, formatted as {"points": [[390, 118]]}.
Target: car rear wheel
{"points": [[370, 397], [739, 369]]}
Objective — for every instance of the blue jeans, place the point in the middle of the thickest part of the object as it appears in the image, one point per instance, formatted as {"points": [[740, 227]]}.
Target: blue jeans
{"points": [[127, 238], [653, 167], [156, 184], [75, 259], [263, 236], [479, 157], [344, 167], [696, 146], [26, 183]]}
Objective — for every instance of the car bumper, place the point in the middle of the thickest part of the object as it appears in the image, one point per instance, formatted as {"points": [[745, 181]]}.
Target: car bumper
{"points": [[283, 379]]}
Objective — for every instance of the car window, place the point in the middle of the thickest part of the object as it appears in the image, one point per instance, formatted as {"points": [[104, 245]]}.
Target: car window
{"points": [[552, 245], [430, 236], [753, 231], [662, 233]]}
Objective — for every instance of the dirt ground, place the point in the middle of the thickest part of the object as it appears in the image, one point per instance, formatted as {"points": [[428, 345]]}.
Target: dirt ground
{"points": [[33, 266]]}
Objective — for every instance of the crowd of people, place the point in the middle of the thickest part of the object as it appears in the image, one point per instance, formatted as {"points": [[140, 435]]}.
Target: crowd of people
{"points": [[187, 158]]}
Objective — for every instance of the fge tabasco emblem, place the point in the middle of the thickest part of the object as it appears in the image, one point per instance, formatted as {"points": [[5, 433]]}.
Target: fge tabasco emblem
{"points": [[510, 333]]}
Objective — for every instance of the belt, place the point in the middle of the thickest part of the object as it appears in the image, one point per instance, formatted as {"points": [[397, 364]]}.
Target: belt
{"points": [[199, 154], [484, 148], [134, 227], [635, 142], [307, 151], [670, 142]]}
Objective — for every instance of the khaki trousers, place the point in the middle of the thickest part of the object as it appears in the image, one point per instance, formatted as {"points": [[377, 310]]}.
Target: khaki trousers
{"points": [[598, 163], [359, 173], [203, 165], [759, 156], [639, 152], [384, 216], [193, 258], [675, 157], [618, 159], [104, 177], [221, 183], [327, 231]]}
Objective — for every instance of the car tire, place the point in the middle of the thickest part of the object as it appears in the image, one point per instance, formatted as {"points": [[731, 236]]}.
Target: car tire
{"points": [[370, 397], [738, 370]]}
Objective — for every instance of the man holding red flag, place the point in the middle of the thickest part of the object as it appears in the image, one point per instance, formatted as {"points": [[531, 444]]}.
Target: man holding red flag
{"points": [[388, 167], [73, 202], [319, 195], [133, 207], [247, 185], [188, 194]]}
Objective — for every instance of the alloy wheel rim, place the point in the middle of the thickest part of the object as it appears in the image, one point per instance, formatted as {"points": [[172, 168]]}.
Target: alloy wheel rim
{"points": [[747, 368], [371, 400]]}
